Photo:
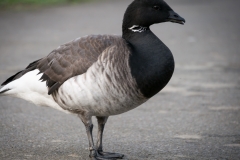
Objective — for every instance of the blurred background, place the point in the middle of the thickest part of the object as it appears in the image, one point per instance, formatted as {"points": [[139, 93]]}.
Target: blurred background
{"points": [[24, 4], [196, 116]]}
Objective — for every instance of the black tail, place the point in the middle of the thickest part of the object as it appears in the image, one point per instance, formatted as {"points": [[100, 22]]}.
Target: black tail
{"points": [[4, 91], [30, 67]]}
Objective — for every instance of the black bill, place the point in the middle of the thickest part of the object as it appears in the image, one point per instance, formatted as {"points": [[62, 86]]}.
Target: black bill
{"points": [[175, 18]]}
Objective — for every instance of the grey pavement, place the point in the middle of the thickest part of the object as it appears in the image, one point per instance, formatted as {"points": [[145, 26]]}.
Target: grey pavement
{"points": [[196, 116]]}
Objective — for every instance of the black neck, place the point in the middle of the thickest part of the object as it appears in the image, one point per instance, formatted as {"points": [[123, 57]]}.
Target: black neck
{"points": [[151, 62], [133, 31], [129, 26]]}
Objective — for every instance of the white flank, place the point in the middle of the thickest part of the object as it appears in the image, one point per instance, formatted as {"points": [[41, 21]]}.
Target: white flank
{"points": [[30, 88], [101, 91]]}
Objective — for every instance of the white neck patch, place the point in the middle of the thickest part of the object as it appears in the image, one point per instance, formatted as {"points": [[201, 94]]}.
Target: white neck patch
{"points": [[137, 28]]}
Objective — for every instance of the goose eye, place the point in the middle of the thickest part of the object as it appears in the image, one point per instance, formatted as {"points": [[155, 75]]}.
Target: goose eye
{"points": [[156, 7]]}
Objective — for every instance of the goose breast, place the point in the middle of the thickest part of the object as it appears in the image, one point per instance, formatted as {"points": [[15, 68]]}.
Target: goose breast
{"points": [[106, 88]]}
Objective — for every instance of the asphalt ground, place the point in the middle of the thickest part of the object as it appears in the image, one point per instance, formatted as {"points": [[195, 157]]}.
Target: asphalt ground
{"points": [[196, 116]]}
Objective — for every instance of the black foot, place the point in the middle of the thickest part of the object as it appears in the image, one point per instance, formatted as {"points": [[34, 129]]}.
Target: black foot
{"points": [[111, 155], [107, 156]]}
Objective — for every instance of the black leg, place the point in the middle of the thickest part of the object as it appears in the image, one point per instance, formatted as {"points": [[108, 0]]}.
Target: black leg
{"points": [[107, 155], [101, 124], [87, 120], [96, 153]]}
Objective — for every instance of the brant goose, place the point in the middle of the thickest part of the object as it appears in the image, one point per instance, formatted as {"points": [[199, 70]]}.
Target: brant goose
{"points": [[102, 75]]}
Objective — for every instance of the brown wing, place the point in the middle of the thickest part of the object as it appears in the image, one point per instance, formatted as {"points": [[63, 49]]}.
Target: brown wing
{"points": [[73, 58]]}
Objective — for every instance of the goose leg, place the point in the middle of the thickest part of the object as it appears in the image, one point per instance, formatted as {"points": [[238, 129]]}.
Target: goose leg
{"points": [[94, 155], [107, 155], [87, 121]]}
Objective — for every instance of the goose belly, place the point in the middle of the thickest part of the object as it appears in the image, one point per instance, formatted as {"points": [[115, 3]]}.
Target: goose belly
{"points": [[99, 93]]}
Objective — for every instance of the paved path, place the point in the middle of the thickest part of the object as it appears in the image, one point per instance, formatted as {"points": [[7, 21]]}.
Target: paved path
{"points": [[196, 116]]}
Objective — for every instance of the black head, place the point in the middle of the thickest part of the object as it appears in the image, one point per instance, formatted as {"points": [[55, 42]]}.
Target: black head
{"points": [[147, 12]]}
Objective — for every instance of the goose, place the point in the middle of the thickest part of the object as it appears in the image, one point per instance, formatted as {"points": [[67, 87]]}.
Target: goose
{"points": [[102, 75]]}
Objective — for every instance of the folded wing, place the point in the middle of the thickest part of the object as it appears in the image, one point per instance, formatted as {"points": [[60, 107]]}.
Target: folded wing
{"points": [[68, 60]]}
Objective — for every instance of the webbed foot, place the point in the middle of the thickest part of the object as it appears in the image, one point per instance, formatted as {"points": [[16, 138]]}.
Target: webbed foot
{"points": [[100, 155], [111, 155]]}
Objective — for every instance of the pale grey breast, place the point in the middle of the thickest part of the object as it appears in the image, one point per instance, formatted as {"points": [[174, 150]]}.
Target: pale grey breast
{"points": [[107, 88]]}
